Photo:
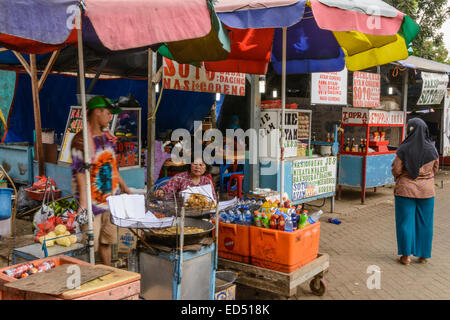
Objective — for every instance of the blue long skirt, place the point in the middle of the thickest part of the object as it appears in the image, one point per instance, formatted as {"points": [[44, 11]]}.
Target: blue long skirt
{"points": [[414, 225]]}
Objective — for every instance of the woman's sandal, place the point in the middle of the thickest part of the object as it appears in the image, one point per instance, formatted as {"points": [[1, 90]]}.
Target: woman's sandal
{"points": [[422, 260], [402, 261]]}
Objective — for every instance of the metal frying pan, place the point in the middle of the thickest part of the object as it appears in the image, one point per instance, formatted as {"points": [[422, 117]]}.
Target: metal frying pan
{"points": [[171, 240]]}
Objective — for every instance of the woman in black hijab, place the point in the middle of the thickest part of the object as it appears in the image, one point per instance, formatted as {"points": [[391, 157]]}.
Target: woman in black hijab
{"points": [[413, 169]]}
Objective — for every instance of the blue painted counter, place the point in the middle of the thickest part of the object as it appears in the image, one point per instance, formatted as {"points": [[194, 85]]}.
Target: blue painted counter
{"points": [[378, 172]]}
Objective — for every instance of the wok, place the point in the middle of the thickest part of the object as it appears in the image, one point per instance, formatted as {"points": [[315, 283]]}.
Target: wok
{"points": [[171, 239]]}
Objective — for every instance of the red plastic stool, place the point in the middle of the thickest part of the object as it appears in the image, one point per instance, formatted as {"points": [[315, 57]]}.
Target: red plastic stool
{"points": [[239, 178]]}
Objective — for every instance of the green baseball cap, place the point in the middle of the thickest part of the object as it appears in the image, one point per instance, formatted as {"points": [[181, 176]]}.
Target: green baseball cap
{"points": [[102, 102]]}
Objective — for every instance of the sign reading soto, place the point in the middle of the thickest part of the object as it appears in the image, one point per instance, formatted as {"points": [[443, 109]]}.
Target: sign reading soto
{"points": [[189, 78], [434, 88], [366, 90], [313, 177]]}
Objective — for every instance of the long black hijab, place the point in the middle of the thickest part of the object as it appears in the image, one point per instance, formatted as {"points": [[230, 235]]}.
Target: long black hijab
{"points": [[418, 148]]}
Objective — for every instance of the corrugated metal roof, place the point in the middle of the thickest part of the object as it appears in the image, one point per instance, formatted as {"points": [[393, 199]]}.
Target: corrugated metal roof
{"points": [[414, 62]]}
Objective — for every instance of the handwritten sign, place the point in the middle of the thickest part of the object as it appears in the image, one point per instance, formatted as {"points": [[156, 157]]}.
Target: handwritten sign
{"points": [[189, 78], [366, 90], [313, 177], [128, 133], [372, 117], [434, 88], [271, 120], [329, 88]]}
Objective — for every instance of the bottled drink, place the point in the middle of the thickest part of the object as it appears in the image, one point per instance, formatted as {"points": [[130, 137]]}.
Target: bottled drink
{"points": [[281, 223], [273, 222], [315, 217], [353, 148], [347, 145], [248, 219], [328, 137], [332, 137], [303, 220], [258, 218], [288, 226], [223, 217], [294, 221], [361, 146], [132, 261], [264, 220]]}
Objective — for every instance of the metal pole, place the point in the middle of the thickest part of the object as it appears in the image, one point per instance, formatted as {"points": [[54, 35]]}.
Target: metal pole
{"points": [[255, 102], [151, 122], [283, 107], [87, 158], [37, 115], [405, 98]]}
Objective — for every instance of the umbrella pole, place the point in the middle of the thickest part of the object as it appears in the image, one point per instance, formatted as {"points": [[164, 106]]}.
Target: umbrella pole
{"points": [[283, 108], [87, 158]]}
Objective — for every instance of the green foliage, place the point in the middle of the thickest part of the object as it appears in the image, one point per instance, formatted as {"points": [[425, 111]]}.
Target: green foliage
{"points": [[431, 16]]}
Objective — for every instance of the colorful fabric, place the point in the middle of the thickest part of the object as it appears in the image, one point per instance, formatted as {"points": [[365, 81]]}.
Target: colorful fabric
{"points": [[104, 171], [414, 226], [422, 187], [182, 181]]}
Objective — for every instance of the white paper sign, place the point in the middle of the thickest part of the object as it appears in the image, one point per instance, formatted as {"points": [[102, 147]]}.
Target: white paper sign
{"points": [[329, 88], [434, 88], [189, 78], [366, 90], [373, 117]]}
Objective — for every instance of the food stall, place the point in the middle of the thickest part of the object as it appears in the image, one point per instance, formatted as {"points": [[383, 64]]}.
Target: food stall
{"points": [[367, 163]]}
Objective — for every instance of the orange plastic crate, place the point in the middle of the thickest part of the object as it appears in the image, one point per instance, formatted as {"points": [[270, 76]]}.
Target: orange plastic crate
{"points": [[284, 251], [234, 242]]}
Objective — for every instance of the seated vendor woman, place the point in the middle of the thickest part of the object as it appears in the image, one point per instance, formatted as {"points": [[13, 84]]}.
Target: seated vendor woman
{"points": [[193, 178]]}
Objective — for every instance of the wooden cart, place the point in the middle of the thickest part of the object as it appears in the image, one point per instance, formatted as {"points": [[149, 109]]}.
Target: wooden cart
{"points": [[285, 284]]}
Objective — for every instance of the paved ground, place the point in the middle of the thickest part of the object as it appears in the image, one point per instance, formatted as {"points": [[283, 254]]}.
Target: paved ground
{"points": [[367, 237]]}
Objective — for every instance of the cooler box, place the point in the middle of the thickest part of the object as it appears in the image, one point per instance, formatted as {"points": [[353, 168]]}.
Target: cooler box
{"points": [[284, 251], [234, 242]]}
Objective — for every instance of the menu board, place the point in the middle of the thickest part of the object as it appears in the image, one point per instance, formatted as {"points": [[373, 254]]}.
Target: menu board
{"points": [[329, 87], [271, 120], [313, 177], [127, 129], [366, 90], [434, 88]]}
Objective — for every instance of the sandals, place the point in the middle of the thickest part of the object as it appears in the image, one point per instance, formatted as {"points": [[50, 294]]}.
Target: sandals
{"points": [[422, 260], [403, 261]]}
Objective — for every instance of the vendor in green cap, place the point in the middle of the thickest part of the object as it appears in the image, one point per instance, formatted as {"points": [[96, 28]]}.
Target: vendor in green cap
{"points": [[104, 173]]}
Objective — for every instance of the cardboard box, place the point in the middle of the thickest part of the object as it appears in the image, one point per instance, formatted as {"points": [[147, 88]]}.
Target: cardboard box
{"points": [[126, 240], [226, 294]]}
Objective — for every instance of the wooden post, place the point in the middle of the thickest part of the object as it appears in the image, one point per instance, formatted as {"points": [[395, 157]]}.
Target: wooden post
{"points": [[37, 114], [151, 122]]}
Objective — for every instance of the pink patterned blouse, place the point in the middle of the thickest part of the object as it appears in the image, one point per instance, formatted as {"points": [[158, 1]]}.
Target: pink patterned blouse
{"points": [[182, 181]]}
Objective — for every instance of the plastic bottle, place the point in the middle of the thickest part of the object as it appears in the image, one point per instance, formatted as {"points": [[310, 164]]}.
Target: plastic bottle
{"points": [[265, 220], [315, 217], [288, 226], [294, 220], [223, 217], [258, 221], [303, 220], [253, 201], [281, 223], [273, 222], [248, 219]]}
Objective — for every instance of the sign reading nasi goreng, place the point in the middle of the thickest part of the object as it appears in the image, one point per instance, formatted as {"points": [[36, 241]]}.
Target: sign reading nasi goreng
{"points": [[189, 78], [329, 87], [373, 117], [313, 177]]}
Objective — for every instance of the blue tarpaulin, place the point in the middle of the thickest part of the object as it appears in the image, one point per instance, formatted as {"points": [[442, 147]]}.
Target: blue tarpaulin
{"points": [[59, 93]]}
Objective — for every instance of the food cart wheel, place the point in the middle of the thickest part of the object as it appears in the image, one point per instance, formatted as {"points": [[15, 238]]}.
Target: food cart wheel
{"points": [[318, 286]]}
